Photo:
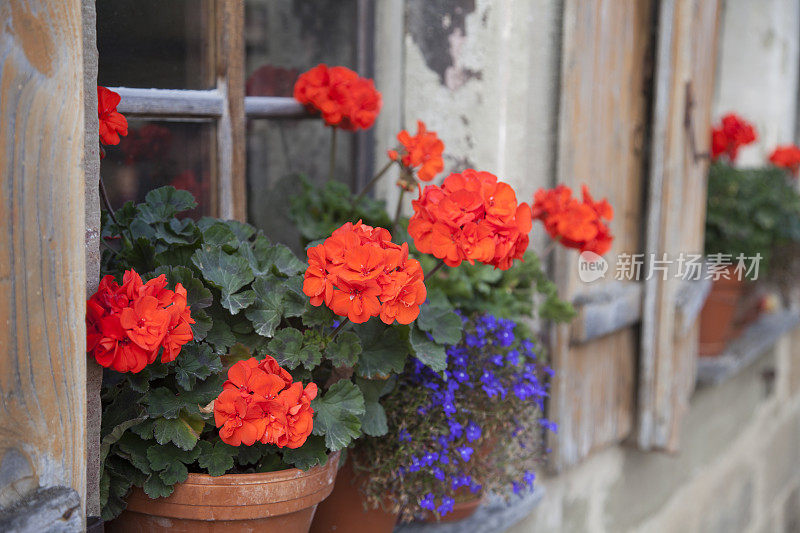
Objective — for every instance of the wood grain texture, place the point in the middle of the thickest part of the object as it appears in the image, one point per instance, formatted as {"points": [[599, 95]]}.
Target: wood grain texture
{"points": [[42, 260], [676, 213], [602, 123], [231, 126]]}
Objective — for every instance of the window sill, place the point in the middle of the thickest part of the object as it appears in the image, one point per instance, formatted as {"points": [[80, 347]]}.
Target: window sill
{"points": [[495, 514], [757, 338]]}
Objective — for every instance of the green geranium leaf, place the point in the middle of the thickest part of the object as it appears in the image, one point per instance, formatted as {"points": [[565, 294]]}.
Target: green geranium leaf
{"points": [[174, 473], [441, 321], [202, 324], [197, 361], [135, 449], [344, 349], [216, 458], [337, 414], [373, 422], [220, 335], [283, 260], [428, 351], [164, 203], [219, 234], [156, 488], [198, 296], [286, 346], [250, 455], [312, 453], [178, 431], [228, 273], [383, 349], [163, 402], [317, 316]]}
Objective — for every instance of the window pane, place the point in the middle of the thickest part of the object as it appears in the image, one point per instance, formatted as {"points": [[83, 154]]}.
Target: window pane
{"points": [[157, 153], [156, 43], [283, 39]]}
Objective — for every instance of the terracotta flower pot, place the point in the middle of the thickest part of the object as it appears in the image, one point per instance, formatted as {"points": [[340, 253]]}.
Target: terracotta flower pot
{"points": [[281, 501], [718, 314], [343, 511], [465, 506]]}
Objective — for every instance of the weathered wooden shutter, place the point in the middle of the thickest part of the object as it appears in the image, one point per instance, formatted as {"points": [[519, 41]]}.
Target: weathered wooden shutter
{"points": [[603, 117], [684, 77], [624, 72]]}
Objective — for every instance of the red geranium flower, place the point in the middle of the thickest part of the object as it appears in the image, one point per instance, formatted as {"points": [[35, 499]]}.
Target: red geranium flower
{"points": [[127, 325], [344, 99], [574, 224], [259, 402], [358, 272], [787, 157], [732, 133], [112, 123], [471, 217], [423, 151]]}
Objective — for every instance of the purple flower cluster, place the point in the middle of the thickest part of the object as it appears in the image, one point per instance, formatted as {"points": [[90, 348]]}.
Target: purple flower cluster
{"points": [[490, 364]]}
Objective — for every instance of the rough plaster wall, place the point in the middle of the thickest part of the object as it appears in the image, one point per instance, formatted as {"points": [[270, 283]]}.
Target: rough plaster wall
{"points": [[483, 74], [738, 468], [758, 70]]}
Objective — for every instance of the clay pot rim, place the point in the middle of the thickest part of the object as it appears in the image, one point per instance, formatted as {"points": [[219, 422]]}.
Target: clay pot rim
{"points": [[256, 478]]}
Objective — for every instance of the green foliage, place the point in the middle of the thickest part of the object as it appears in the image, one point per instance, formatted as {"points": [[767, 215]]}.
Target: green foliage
{"points": [[750, 211], [246, 296], [337, 414], [318, 210]]}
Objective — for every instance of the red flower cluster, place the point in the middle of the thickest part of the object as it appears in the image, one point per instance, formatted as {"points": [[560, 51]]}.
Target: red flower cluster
{"points": [[259, 402], [787, 157], [358, 272], [112, 123], [424, 150], [574, 224], [127, 325], [345, 99], [471, 217], [732, 133]]}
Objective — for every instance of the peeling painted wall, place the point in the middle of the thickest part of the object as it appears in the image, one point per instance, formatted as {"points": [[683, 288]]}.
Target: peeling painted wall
{"points": [[757, 72], [482, 74]]}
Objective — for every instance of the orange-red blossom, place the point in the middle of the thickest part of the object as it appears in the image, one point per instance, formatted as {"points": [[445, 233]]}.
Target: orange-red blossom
{"points": [[126, 326], [732, 133], [423, 152], [112, 123], [787, 157], [574, 224], [471, 217], [259, 402], [343, 98], [358, 272]]}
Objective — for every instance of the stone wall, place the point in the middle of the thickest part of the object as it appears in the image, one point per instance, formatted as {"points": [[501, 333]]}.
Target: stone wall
{"points": [[738, 468]]}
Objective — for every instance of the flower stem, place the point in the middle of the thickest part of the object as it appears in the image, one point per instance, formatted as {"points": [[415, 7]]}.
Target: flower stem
{"points": [[434, 270], [340, 327], [373, 181], [104, 196], [398, 210], [333, 154]]}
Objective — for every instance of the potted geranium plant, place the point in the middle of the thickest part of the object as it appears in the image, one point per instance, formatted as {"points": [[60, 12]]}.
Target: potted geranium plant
{"points": [[230, 384], [751, 212]]}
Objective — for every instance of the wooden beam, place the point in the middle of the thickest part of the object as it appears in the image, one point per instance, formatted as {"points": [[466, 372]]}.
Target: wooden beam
{"points": [[610, 308], [274, 107], [170, 102], [42, 260]]}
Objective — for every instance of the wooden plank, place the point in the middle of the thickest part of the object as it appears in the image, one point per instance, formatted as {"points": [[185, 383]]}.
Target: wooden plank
{"points": [[676, 212], [232, 181], [606, 49], [274, 107], [42, 260], [170, 102], [607, 309]]}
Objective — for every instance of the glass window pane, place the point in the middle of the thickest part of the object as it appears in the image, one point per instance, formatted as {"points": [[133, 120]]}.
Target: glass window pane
{"points": [[156, 43], [283, 39], [161, 152]]}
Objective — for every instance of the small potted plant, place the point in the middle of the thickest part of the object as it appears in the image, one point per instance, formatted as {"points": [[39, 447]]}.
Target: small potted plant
{"points": [[230, 383], [751, 213]]}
